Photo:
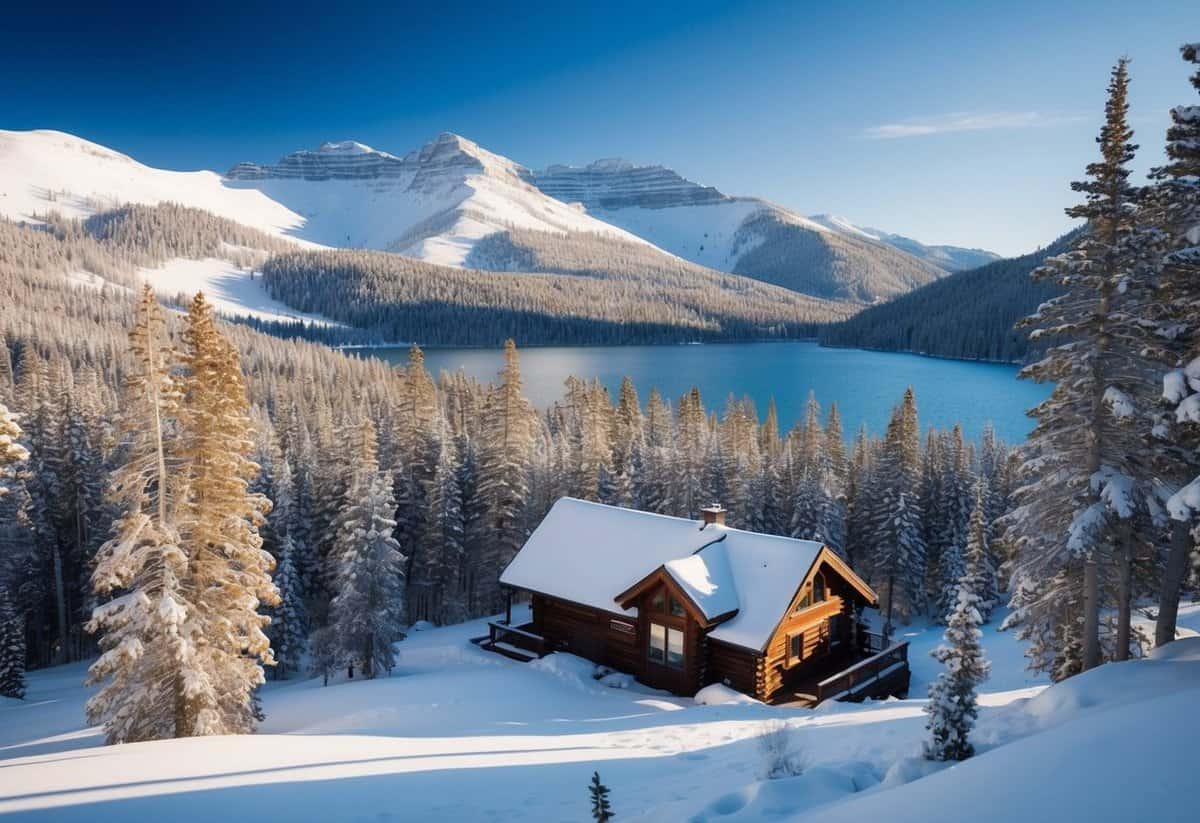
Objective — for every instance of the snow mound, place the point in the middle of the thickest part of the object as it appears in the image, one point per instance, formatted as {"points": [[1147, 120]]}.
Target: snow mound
{"points": [[718, 694]]}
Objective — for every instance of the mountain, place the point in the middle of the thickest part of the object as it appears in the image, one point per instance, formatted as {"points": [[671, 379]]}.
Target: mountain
{"points": [[968, 315], [434, 204], [452, 202], [950, 258], [742, 235]]}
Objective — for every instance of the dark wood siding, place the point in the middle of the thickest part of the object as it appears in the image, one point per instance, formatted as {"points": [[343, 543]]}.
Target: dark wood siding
{"points": [[733, 666]]}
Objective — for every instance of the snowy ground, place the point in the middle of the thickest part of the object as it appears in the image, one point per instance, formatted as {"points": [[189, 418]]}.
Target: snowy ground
{"points": [[458, 734]]}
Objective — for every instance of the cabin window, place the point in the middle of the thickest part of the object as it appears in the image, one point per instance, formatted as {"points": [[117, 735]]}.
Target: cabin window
{"points": [[658, 601], [795, 647], [805, 600], [835, 630], [677, 608], [666, 646], [818, 595]]}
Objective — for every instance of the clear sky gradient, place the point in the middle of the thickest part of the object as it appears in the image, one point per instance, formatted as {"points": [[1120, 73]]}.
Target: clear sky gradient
{"points": [[952, 122]]}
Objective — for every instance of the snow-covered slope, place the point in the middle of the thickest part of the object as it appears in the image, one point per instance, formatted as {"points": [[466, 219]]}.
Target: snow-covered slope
{"points": [[742, 235], [460, 734], [950, 258], [43, 171], [434, 203]]}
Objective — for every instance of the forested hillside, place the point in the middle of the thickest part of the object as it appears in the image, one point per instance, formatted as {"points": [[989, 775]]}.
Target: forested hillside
{"points": [[640, 300], [968, 315]]}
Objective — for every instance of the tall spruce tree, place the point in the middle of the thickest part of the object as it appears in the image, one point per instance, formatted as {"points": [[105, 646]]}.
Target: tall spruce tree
{"points": [[1175, 203], [146, 651], [228, 574], [507, 440], [894, 539], [1082, 459], [368, 605]]}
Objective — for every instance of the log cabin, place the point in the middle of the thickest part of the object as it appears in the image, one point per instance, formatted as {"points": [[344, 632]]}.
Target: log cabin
{"points": [[681, 604]]}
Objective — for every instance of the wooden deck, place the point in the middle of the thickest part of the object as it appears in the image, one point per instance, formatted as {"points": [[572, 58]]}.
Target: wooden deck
{"points": [[855, 675]]}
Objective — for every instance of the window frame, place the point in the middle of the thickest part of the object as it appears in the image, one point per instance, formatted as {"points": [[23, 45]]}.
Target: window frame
{"points": [[667, 633], [792, 657]]}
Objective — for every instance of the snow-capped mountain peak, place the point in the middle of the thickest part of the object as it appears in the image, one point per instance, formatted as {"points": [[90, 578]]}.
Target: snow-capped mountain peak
{"points": [[347, 147], [434, 203]]}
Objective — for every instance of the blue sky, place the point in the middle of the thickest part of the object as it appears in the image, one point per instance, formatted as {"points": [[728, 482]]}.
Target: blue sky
{"points": [[956, 122]]}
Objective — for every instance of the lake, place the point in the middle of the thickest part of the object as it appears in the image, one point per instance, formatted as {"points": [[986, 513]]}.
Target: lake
{"points": [[865, 384]]}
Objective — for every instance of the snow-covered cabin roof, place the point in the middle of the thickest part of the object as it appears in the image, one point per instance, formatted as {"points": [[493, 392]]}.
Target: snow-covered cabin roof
{"points": [[589, 553], [705, 577]]}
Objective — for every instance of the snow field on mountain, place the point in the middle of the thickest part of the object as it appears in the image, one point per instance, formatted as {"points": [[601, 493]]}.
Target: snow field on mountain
{"points": [[460, 734], [232, 290], [43, 171]]}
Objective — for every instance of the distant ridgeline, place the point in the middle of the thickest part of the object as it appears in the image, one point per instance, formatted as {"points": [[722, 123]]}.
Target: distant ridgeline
{"points": [[968, 315]]}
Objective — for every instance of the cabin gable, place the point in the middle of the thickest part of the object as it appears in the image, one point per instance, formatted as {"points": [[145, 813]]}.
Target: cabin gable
{"points": [[821, 623]]}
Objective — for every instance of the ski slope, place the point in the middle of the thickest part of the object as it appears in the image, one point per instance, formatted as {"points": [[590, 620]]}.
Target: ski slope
{"points": [[460, 734]]}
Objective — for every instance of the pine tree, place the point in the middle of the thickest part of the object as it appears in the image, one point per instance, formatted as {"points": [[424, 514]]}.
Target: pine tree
{"points": [[952, 707], [980, 573], [601, 808], [894, 535], [1082, 459], [1174, 201], [145, 648], [228, 571], [368, 608], [12, 650], [508, 436], [288, 628]]}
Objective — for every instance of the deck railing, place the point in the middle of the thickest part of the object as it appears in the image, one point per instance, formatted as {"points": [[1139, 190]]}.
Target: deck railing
{"points": [[868, 676], [519, 637]]}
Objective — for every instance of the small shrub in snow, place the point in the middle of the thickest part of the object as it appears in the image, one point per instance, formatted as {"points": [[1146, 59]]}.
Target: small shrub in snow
{"points": [[601, 808], [776, 744]]}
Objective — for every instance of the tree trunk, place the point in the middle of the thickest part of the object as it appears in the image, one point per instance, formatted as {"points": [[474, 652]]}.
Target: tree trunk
{"points": [[1124, 591], [1091, 614], [60, 602], [1172, 582]]}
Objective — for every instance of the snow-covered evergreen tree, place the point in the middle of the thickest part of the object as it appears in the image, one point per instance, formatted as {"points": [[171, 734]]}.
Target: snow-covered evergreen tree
{"points": [[289, 622], [12, 649], [145, 651], [367, 610], [1081, 489], [1175, 204], [508, 437], [979, 573], [893, 530], [228, 572], [952, 707]]}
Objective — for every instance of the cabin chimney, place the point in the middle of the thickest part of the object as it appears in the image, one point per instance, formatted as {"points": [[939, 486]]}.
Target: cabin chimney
{"points": [[713, 513]]}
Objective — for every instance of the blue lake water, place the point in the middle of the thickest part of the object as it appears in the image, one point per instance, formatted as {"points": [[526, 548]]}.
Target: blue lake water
{"points": [[864, 384]]}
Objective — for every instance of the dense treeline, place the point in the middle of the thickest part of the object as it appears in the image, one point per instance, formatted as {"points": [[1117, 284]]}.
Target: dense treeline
{"points": [[968, 315], [406, 299]]}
